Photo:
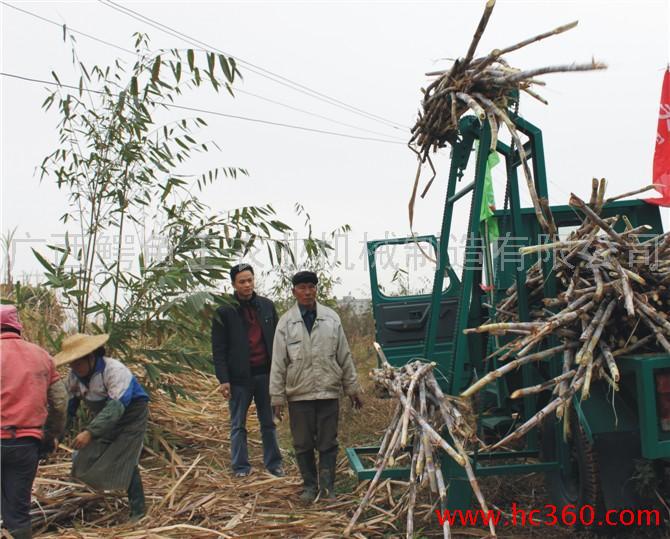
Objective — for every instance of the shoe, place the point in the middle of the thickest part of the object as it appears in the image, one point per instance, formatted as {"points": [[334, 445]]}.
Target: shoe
{"points": [[278, 472], [327, 464], [307, 467], [243, 474], [136, 517], [308, 495]]}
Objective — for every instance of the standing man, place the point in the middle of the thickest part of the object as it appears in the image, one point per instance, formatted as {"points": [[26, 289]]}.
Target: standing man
{"points": [[311, 365], [242, 336], [33, 404]]}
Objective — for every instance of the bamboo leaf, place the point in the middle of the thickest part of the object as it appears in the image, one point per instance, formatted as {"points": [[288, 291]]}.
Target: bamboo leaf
{"points": [[155, 71], [223, 61], [50, 268], [190, 55]]}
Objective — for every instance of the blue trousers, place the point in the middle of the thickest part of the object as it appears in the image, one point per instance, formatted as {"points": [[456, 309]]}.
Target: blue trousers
{"points": [[241, 396]]}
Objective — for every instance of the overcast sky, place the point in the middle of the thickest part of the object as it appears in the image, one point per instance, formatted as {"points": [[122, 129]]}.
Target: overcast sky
{"points": [[372, 55]]}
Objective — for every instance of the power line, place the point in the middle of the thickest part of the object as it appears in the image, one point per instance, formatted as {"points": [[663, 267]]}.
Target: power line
{"points": [[237, 89], [275, 77], [316, 115], [68, 27], [213, 112]]}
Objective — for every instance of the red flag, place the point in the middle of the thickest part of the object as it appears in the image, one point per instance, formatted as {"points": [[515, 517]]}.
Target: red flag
{"points": [[662, 153]]}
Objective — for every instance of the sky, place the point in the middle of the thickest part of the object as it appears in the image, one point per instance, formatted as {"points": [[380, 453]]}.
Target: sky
{"points": [[370, 55]]}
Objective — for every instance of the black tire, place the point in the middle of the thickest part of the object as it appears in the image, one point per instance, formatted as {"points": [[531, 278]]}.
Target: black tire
{"points": [[579, 484]]}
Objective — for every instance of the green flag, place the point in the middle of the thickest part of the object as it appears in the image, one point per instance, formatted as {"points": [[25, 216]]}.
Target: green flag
{"points": [[488, 200]]}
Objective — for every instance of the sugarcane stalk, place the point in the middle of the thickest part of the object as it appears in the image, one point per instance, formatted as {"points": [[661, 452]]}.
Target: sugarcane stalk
{"points": [[652, 313], [530, 326], [532, 249], [517, 77], [421, 460], [600, 200], [577, 202], [388, 434], [491, 106], [660, 338], [533, 390], [631, 193], [586, 387], [512, 365], [430, 462], [539, 416], [410, 392], [586, 352], [605, 376], [442, 491], [635, 346], [626, 288], [609, 360], [488, 9], [450, 421], [472, 105], [412, 489], [433, 435], [373, 484], [568, 361], [591, 327]]}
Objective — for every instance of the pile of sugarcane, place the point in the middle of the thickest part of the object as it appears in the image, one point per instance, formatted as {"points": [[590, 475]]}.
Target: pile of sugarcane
{"points": [[483, 86], [613, 298], [423, 415]]}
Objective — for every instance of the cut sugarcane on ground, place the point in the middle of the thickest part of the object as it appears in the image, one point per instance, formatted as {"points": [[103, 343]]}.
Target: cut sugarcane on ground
{"points": [[190, 488]]}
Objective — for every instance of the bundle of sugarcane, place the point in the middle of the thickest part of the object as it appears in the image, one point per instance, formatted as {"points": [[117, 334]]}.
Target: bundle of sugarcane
{"points": [[422, 412], [484, 86], [612, 299]]}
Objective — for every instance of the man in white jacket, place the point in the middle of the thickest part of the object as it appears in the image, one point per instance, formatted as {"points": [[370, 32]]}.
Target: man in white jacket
{"points": [[311, 366]]}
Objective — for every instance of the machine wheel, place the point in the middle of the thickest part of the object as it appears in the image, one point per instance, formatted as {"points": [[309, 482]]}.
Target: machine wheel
{"points": [[579, 483]]}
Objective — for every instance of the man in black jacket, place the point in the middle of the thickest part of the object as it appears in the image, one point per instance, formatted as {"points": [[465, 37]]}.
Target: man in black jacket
{"points": [[242, 336]]}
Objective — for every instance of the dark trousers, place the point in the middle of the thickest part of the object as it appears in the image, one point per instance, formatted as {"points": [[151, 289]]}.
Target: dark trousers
{"points": [[314, 425], [241, 396], [18, 469]]}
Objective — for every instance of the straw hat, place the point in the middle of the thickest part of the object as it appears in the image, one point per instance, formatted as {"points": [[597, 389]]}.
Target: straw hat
{"points": [[79, 345]]}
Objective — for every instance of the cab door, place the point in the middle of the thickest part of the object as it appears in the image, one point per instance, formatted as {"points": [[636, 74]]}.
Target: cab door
{"points": [[401, 282]]}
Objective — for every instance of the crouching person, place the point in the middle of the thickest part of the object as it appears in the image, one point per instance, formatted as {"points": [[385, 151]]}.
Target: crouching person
{"points": [[33, 404], [108, 449], [311, 365]]}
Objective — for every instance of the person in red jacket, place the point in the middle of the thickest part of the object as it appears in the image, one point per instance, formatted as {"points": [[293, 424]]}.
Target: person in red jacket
{"points": [[33, 408]]}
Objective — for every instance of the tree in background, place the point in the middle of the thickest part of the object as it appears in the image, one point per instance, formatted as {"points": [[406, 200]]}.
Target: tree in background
{"points": [[121, 170], [316, 256]]}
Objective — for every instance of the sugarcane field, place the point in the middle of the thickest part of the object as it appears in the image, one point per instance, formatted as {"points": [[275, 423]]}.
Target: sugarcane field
{"points": [[322, 270]]}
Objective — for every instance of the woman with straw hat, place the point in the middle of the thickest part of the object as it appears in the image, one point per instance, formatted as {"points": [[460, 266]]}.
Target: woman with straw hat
{"points": [[108, 449]]}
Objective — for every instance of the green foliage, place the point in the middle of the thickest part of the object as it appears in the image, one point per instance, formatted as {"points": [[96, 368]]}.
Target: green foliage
{"points": [[316, 257], [121, 171], [40, 312]]}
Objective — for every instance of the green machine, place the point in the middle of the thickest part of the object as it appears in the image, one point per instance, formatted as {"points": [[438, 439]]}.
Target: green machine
{"points": [[611, 433]]}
